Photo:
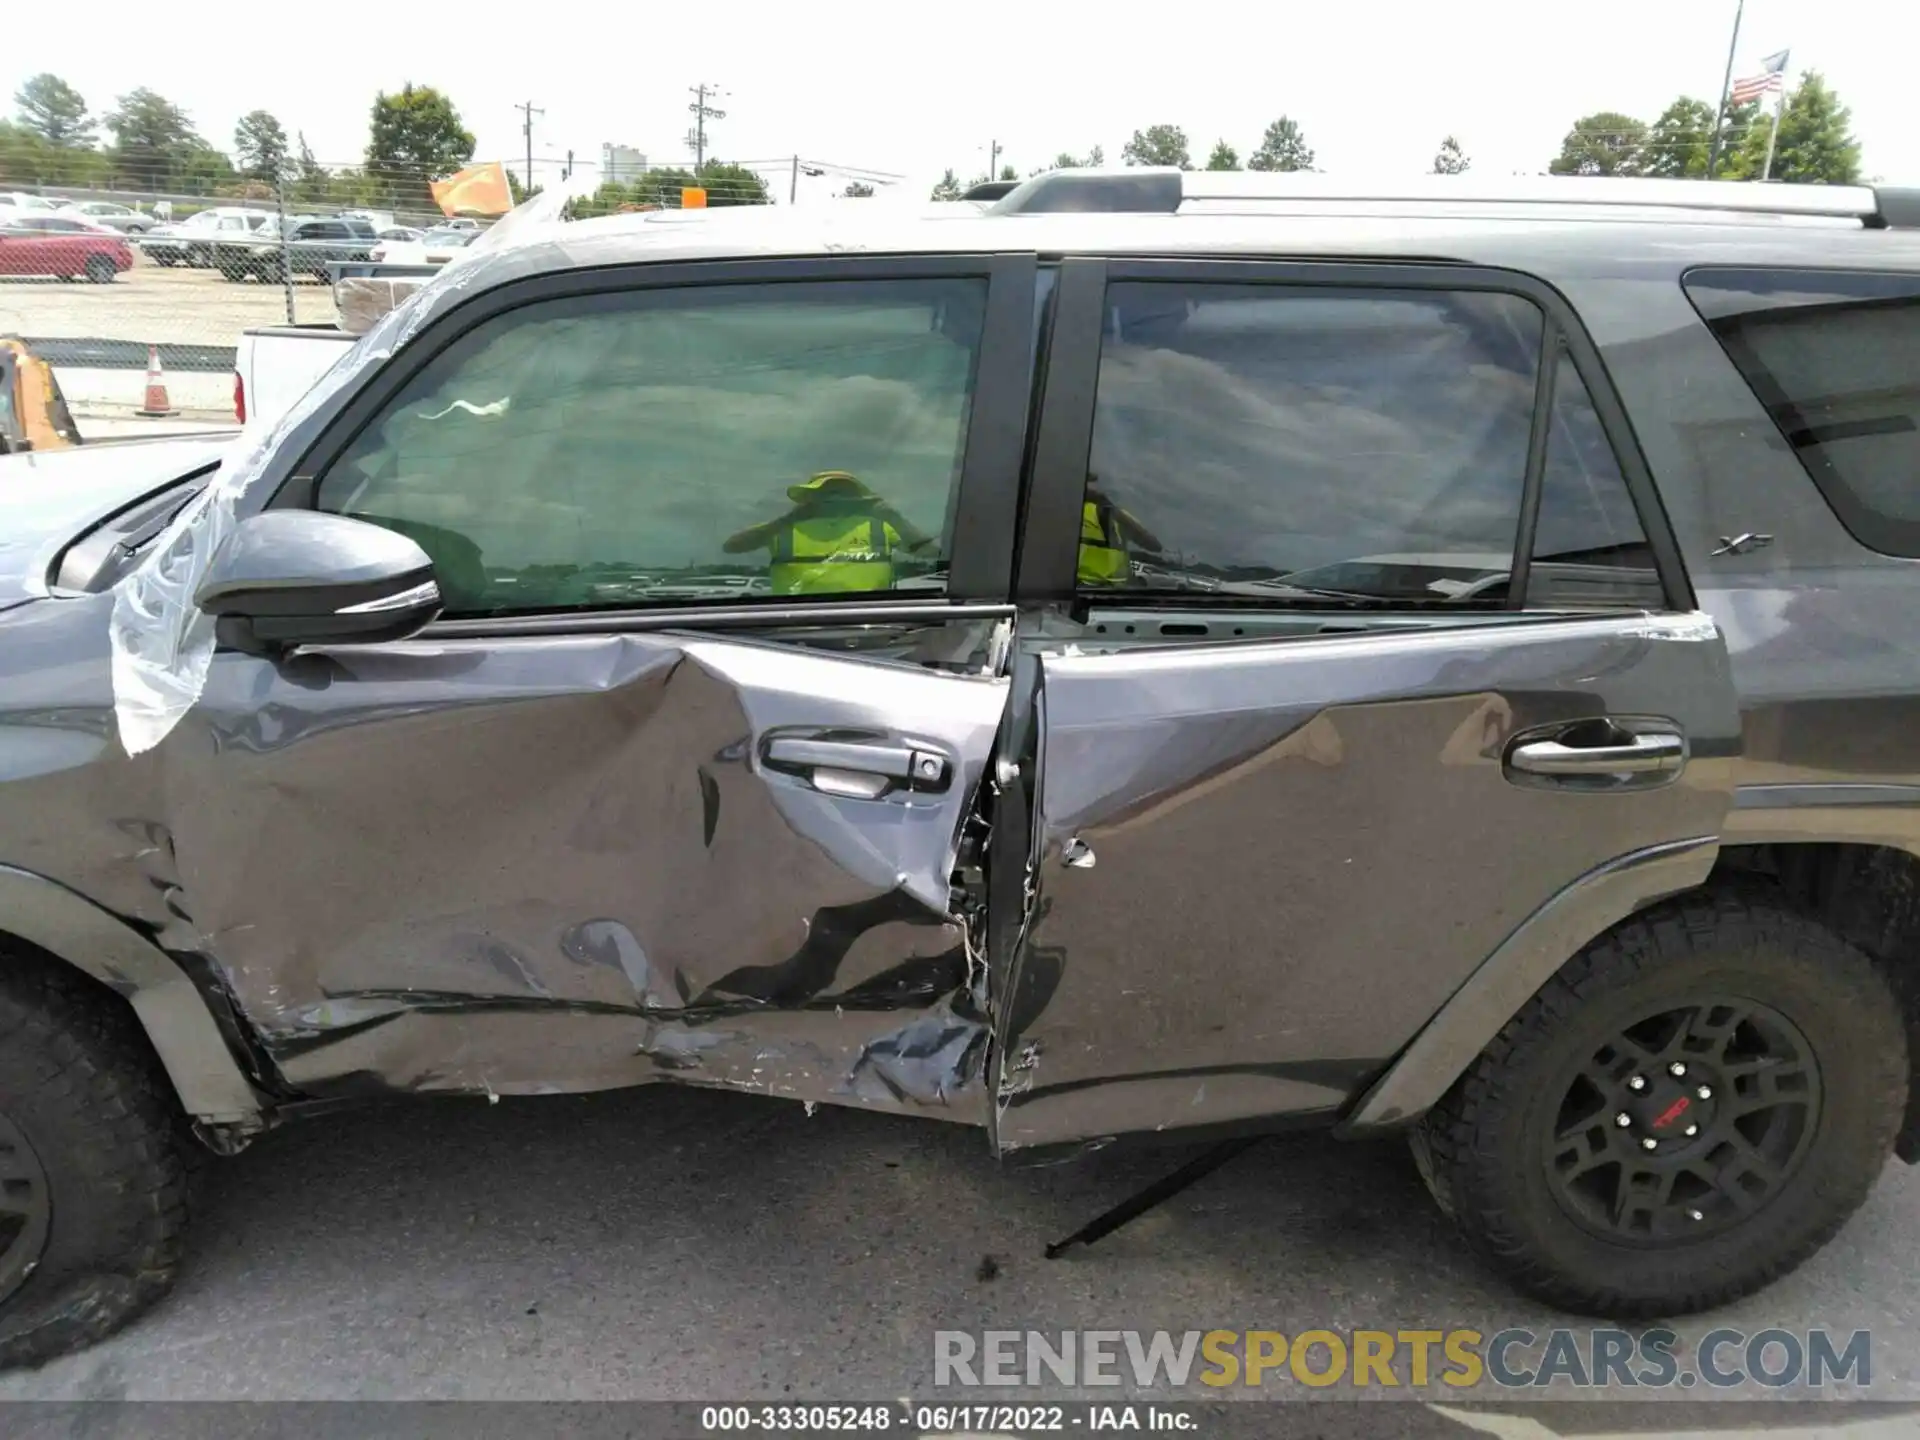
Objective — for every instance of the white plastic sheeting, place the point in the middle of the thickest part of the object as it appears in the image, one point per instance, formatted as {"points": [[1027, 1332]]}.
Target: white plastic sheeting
{"points": [[162, 643]]}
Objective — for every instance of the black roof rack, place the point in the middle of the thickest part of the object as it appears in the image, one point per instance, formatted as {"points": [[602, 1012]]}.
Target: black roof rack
{"points": [[1168, 192]]}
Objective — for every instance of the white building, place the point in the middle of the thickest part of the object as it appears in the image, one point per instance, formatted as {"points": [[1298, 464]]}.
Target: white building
{"points": [[621, 163]]}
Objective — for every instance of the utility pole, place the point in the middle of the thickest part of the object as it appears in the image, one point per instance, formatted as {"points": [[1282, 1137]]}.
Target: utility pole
{"points": [[993, 160], [702, 112], [529, 110], [1726, 84], [567, 174], [793, 185]]}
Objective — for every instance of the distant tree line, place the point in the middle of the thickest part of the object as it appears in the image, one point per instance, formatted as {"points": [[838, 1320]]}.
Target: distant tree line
{"points": [[1816, 144], [146, 142]]}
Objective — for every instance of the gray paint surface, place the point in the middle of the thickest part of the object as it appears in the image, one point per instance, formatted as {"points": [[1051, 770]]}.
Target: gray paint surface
{"points": [[395, 860]]}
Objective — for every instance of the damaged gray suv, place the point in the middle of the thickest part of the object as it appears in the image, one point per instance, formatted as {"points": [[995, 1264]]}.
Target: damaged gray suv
{"points": [[1160, 654]]}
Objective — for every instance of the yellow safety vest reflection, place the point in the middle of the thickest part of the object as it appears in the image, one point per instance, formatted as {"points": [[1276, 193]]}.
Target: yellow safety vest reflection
{"points": [[1103, 557], [833, 555]]}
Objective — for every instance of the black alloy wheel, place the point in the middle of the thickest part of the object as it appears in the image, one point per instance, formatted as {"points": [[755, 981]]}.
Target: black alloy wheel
{"points": [[1685, 1123]]}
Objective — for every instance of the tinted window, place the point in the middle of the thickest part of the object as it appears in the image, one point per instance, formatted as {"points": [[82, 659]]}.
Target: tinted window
{"points": [[1589, 547], [1370, 441], [1835, 358], [722, 442]]}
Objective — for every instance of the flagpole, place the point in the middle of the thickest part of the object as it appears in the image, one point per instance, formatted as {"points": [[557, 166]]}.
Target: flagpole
{"points": [[1773, 135], [1726, 84]]}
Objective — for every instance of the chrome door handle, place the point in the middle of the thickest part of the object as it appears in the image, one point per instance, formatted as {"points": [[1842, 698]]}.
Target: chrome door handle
{"points": [[1658, 752]]}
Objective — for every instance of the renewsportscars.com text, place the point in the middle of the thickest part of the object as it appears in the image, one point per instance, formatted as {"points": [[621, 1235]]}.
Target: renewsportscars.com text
{"points": [[1510, 1359]]}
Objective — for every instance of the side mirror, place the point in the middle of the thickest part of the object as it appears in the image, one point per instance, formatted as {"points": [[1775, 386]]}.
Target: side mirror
{"points": [[298, 577]]}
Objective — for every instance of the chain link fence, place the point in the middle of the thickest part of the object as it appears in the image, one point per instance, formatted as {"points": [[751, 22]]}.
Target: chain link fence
{"points": [[99, 281]]}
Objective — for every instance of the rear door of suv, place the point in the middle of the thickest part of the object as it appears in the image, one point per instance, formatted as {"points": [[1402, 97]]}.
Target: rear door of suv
{"points": [[1369, 681]]}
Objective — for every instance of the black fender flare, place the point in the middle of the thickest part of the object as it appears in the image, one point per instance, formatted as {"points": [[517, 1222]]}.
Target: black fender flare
{"points": [[1441, 1052], [211, 1086]]}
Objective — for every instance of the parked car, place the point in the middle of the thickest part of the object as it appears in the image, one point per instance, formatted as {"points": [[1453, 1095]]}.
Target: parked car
{"points": [[435, 247], [191, 241], [112, 214], [400, 232], [21, 200], [1436, 661], [313, 242], [47, 243]]}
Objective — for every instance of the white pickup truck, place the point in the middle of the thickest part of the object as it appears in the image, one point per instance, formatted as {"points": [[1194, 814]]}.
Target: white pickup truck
{"points": [[274, 365]]}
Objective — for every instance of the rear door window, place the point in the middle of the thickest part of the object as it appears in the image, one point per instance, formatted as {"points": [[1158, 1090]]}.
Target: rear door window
{"points": [[1288, 444], [1835, 358]]}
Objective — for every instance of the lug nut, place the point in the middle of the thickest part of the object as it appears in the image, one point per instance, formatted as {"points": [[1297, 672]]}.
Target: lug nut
{"points": [[1623, 1120], [1693, 1130], [1705, 1092], [1649, 1143], [1696, 1215], [1676, 1069], [1638, 1082]]}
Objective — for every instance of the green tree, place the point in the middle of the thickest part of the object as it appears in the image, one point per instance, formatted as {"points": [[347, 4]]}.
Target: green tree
{"points": [[1734, 125], [416, 136], [1604, 143], [1067, 160], [948, 188], [55, 111], [1283, 147], [1158, 145], [1679, 142], [1816, 144], [310, 177], [27, 159], [731, 185], [1450, 159], [153, 140], [260, 143], [857, 191], [1223, 157]]}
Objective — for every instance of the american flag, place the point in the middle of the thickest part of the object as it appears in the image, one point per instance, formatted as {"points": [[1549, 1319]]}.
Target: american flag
{"points": [[1771, 77]]}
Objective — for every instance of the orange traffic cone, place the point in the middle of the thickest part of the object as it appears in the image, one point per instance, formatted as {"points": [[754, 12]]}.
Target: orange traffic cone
{"points": [[157, 407]]}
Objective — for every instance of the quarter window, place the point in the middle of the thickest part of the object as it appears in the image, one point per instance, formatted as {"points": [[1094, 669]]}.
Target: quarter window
{"points": [[715, 443], [1835, 358], [1283, 445]]}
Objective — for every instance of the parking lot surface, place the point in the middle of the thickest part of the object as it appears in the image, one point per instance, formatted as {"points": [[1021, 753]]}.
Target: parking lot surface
{"points": [[154, 305], [686, 1244]]}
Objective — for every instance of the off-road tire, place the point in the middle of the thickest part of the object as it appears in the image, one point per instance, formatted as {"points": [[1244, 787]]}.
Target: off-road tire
{"points": [[80, 1084], [1481, 1149]]}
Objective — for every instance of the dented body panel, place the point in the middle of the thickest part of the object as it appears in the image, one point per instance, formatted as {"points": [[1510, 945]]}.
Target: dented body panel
{"points": [[1244, 817], [518, 862], [562, 863]]}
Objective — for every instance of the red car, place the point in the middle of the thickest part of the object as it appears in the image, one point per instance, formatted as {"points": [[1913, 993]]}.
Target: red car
{"points": [[37, 244]]}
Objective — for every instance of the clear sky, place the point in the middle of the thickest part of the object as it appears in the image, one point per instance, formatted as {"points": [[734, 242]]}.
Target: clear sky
{"points": [[912, 89]]}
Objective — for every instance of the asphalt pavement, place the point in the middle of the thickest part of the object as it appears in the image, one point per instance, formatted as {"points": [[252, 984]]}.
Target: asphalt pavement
{"points": [[680, 1244]]}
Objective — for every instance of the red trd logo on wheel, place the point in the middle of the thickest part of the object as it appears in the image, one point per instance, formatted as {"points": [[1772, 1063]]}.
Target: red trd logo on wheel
{"points": [[1672, 1113]]}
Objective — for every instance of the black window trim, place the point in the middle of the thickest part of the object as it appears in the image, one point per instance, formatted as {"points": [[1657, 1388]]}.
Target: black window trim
{"points": [[980, 569], [1050, 528], [1706, 288]]}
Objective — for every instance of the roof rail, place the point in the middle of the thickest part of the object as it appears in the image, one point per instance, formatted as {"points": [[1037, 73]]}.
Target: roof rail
{"points": [[1165, 192]]}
